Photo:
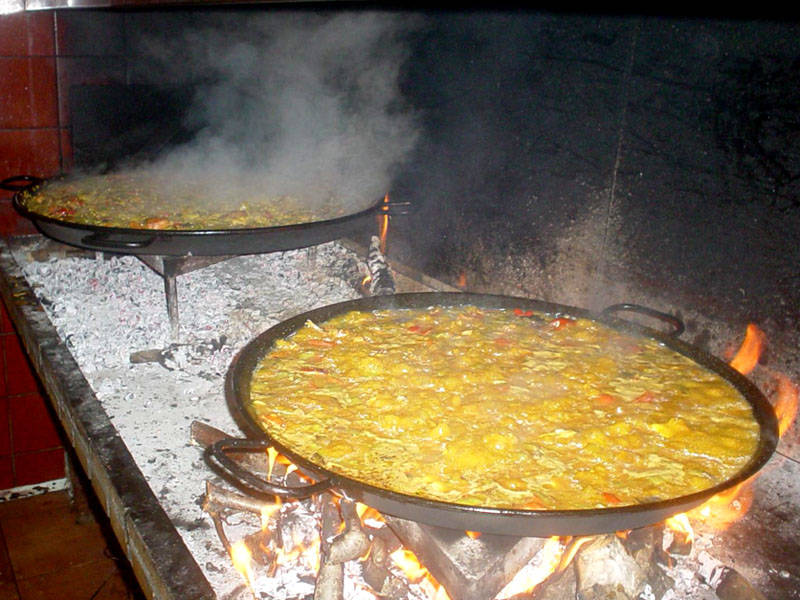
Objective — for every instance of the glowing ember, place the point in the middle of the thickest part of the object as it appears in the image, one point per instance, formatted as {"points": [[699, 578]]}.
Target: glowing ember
{"points": [[241, 557], [547, 562], [750, 351]]}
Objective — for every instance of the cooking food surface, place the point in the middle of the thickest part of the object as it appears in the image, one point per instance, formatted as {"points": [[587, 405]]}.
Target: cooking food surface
{"points": [[501, 408], [136, 202]]}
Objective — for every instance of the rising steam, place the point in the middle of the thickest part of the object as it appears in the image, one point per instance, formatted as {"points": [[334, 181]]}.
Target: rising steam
{"points": [[289, 103]]}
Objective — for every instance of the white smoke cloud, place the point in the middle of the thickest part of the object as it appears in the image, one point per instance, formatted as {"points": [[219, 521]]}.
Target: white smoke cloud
{"points": [[291, 103]]}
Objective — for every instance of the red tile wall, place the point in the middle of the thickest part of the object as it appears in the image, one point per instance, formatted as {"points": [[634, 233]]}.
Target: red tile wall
{"points": [[32, 140], [42, 54]]}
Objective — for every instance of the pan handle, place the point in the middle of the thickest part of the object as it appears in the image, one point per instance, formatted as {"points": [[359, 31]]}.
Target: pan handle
{"points": [[18, 183], [102, 241], [394, 208], [253, 485], [677, 325]]}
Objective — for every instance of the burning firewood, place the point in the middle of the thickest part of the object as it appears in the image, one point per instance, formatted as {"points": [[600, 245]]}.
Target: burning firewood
{"points": [[338, 547], [330, 579], [353, 542], [378, 279]]}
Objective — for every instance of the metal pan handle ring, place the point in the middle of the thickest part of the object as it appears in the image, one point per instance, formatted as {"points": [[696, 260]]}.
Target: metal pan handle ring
{"points": [[18, 183], [247, 482], [103, 242], [677, 325]]}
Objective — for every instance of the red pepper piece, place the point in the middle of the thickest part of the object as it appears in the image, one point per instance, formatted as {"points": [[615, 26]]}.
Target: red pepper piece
{"points": [[560, 322], [62, 211], [611, 498], [605, 399], [523, 313], [320, 343], [646, 397], [419, 329]]}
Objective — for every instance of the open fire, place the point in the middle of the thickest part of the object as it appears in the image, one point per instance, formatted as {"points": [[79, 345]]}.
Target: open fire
{"points": [[333, 548]]}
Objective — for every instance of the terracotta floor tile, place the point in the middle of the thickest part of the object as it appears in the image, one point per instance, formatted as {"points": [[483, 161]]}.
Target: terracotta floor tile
{"points": [[52, 502], [8, 592], [8, 583], [88, 581], [40, 542], [56, 551]]}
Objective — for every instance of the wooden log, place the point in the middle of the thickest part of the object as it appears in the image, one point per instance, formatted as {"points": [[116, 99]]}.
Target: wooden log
{"points": [[330, 579], [381, 281]]}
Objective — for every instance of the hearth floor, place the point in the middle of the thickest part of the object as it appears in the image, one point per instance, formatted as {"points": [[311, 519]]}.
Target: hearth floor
{"points": [[52, 547]]}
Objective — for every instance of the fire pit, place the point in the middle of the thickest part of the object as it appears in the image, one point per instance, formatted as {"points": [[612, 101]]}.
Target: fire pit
{"points": [[638, 563], [150, 401]]}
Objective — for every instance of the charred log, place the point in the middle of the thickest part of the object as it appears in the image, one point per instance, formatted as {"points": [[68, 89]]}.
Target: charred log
{"points": [[353, 542], [728, 583], [380, 281], [330, 579]]}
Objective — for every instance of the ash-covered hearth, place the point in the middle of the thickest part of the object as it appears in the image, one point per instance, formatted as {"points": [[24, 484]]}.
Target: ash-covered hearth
{"points": [[110, 312]]}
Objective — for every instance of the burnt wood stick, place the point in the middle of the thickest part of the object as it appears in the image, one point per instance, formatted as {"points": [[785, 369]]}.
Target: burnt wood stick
{"points": [[733, 586], [381, 281], [376, 569], [218, 498], [353, 543], [729, 584], [204, 435], [330, 578]]}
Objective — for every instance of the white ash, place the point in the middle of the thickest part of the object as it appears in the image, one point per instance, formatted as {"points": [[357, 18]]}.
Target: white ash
{"points": [[105, 310], [120, 298]]}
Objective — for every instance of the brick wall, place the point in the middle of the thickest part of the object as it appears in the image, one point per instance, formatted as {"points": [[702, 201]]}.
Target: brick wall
{"points": [[42, 53]]}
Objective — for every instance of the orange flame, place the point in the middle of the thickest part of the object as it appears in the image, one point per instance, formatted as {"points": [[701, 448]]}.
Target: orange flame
{"points": [[272, 455], [409, 565], [548, 560], [267, 511], [724, 509], [473, 535], [384, 223], [367, 514], [785, 404], [750, 351], [680, 524], [306, 552], [241, 557], [571, 552]]}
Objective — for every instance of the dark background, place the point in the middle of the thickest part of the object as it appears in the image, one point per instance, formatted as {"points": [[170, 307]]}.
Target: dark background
{"points": [[582, 159]]}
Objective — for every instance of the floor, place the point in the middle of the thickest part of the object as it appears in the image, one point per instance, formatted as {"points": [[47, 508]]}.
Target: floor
{"points": [[52, 547]]}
